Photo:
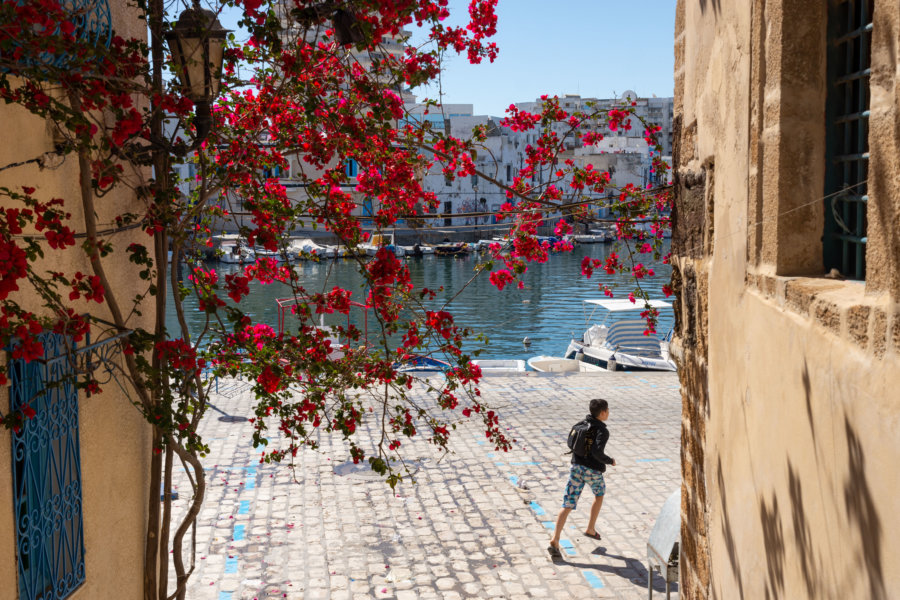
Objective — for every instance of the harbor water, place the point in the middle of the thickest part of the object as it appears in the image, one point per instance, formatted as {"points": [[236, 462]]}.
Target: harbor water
{"points": [[548, 311]]}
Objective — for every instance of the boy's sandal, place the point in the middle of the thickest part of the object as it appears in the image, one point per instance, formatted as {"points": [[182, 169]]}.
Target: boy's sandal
{"points": [[555, 554], [593, 536]]}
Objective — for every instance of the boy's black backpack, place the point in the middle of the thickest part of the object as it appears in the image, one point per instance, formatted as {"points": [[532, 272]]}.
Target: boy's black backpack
{"points": [[581, 438]]}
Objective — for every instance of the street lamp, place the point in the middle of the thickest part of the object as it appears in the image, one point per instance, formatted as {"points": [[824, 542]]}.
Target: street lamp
{"points": [[197, 44]]}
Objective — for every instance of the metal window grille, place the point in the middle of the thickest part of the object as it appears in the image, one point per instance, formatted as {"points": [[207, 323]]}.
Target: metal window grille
{"points": [[93, 25], [47, 475], [850, 36]]}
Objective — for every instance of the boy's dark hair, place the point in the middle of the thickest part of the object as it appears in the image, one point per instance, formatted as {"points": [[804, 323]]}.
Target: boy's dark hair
{"points": [[598, 406]]}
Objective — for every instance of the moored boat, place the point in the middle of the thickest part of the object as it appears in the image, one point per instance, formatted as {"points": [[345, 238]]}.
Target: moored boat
{"points": [[499, 367], [382, 240], [556, 364], [418, 249], [452, 249], [421, 362], [621, 343], [236, 253]]}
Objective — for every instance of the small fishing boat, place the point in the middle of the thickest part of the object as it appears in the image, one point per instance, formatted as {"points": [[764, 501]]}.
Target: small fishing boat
{"points": [[275, 255], [590, 238], [418, 250], [499, 367], [484, 245], [420, 362], [236, 253], [382, 240], [555, 364], [606, 234], [457, 249]]}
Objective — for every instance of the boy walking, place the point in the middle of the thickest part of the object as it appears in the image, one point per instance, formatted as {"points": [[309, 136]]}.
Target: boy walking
{"points": [[586, 470]]}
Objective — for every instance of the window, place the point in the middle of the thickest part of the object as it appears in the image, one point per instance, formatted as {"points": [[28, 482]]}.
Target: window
{"points": [[47, 475], [509, 172], [475, 182], [847, 136], [448, 210], [351, 168]]}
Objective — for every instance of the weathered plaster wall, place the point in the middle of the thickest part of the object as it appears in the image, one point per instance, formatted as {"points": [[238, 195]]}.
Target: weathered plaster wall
{"points": [[114, 438], [790, 384]]}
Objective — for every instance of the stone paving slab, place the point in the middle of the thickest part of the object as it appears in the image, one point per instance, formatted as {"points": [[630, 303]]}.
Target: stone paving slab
{"points": [[467, 528]]}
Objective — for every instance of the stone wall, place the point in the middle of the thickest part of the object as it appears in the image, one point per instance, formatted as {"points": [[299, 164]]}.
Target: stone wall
{"points": [[789, 378], [691, 224]]}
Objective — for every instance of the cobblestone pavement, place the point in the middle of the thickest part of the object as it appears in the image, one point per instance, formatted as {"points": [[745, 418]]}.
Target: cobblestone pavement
{"points": [[467, 528]]}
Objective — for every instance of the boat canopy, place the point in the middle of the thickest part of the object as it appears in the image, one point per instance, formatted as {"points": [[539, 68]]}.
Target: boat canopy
{"points": [[628, 336], [623, 304]]}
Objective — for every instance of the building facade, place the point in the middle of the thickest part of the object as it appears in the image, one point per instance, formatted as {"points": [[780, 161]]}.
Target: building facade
{"points": [[625, 155], [787, 270], [73, 482]]}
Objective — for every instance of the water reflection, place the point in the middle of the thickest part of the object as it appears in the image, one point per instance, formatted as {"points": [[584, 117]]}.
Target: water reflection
{"points": [[548, 311]]}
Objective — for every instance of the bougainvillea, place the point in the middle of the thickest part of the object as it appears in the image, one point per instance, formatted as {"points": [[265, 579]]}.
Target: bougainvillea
{"points": [[313, 89]]}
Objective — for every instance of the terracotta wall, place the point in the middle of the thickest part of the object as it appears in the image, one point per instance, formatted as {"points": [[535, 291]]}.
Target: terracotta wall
{"points": [[114, 438], [790, 380]]}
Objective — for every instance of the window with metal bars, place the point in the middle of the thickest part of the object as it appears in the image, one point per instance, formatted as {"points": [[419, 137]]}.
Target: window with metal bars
{"points": [[847, 136]]}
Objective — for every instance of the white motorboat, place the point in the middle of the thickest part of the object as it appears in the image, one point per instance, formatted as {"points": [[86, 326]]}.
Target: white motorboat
{"points": [[276, 255], [499, 367], [306, 248], [590, 239], [418, 249], [608, 233], [619, 343], [236, 253], [555, 364], [484, 245]]}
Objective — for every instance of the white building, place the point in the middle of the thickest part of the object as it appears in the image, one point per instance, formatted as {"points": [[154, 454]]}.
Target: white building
{"points": [[653, 110], [623, 154]]}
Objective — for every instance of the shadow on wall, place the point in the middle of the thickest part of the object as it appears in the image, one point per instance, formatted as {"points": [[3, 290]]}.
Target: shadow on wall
{"points": [[862, 513], [716, 5], [773, 539], [862, 516], [807, 390], [728, 533]]}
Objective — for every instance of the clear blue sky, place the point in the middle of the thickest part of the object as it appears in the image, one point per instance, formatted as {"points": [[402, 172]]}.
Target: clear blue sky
{"points": [[590, 47], [594, 48]]}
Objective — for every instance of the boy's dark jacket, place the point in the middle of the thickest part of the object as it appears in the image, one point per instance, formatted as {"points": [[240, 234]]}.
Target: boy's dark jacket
{"points": [[596, 458]]}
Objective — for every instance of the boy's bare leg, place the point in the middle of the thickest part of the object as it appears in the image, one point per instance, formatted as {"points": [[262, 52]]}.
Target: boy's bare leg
{"points": [[560, 523], [595, 511]]}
